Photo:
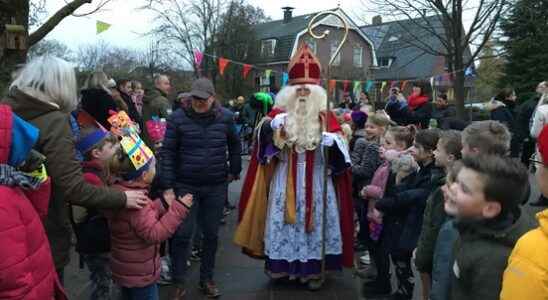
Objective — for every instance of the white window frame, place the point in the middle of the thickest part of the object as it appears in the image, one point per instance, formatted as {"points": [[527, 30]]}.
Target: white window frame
{"points": [[358, 63], [268, 52], [337, 60], [390, 60]]}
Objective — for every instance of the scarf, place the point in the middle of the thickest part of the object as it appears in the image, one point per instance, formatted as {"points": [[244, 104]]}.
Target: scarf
{"points": [[9, 176]]}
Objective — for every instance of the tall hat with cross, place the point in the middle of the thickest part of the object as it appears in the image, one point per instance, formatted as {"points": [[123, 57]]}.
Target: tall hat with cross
{"points": [[304, 67]]}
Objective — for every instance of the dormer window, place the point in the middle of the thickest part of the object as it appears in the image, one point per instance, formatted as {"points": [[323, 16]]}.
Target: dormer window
{"points": [[268, 48], [385, 62]]}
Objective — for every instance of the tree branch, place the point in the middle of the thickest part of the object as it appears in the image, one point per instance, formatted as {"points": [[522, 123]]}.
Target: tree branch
{"points": [[54, 20]]}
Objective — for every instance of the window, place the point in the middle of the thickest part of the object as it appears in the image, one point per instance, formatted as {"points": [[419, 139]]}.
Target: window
{"points": [[358, 57], [385, 62], [311, 42], [393, 38], [268, 48], [337, 60]]}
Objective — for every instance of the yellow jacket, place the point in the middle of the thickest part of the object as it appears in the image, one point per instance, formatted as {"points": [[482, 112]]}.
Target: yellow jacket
{"points": [[526, 276]]}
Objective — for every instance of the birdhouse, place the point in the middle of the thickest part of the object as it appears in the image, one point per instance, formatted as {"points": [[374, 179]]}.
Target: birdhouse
{"points": [[14, 37]]}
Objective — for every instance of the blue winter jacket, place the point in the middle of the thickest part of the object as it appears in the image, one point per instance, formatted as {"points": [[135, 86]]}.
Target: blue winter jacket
{"points": [[443, 262], [196, 148]]}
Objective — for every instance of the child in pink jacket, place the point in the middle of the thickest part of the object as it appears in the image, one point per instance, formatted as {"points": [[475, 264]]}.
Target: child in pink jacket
{"points": [[136, 234]]}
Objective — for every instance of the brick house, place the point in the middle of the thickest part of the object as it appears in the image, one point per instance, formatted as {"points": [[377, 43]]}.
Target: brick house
{"points": [[279, 41]]}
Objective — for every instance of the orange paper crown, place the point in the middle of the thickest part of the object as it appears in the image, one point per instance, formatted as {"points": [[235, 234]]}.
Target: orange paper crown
{"points": [[304, 67]]}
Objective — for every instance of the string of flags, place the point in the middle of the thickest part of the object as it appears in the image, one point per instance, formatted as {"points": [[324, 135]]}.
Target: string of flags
{"points": [[357, 85]]}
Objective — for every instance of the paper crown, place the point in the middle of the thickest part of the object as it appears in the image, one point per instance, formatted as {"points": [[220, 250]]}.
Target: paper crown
{"points": [[304, 67], [121, 124], [138, 152]]}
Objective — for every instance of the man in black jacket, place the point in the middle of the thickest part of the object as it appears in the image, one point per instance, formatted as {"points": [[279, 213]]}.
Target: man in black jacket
{"points": [[193, 159]]}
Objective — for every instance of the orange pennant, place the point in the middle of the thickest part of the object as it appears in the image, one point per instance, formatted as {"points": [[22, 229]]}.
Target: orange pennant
{"points": [[246, 70], [223, 63], [331, 85]]}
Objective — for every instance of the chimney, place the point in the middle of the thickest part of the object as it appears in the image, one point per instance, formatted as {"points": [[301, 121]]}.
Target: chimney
{"points": [[288, 14], [377, 20]]}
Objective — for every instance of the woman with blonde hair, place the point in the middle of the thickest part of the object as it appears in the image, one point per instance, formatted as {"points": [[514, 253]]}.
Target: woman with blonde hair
{"points": [[44, 94]]}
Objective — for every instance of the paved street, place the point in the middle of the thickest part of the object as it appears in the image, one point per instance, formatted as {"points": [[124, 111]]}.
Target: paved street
{"points": [[238, 276]]}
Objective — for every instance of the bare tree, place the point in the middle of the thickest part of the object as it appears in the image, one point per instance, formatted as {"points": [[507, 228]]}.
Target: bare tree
{"points": [[443, 19], [51, 47], [30, 13], [186, 25]]}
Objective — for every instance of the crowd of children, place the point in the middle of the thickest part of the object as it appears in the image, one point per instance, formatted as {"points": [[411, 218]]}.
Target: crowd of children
{"points": [[452, 203]]}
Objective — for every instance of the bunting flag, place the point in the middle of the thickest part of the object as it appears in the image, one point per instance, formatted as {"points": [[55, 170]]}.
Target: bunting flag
{"points": [[432, 82], [267, 73], [346, 83], [285, 78], [357, 86], [369, 85], [393, 83], [102, 26], [383, 85], [198, 57], [332, 85], [246, 70], [403, 85], [223, 63]]}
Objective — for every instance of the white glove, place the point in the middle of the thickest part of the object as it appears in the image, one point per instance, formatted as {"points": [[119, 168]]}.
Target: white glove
{"points": [[328, 139], [278, 121]]}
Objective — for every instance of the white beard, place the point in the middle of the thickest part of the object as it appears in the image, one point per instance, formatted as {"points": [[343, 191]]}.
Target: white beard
{"points": [[303, 126]]}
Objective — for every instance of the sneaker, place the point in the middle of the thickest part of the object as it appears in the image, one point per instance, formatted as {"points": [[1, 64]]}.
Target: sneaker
{"points": [[365, 259], [196, 254], [367, 273], [210, 289], [165, 272], [226, 211]]}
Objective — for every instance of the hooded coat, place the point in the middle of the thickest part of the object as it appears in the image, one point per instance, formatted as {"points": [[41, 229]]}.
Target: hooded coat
{"points": [[68, 185], [26, 266]]}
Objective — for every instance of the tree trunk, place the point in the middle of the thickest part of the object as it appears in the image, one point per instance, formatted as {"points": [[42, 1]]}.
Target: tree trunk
{"points": [[458, 86], [9, 59]]}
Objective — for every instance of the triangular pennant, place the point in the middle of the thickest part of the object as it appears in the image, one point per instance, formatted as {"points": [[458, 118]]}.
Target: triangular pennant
{"points": [[383, 85], [393, 83], [332, 84], [404, 84], [102, 26], [198, 57], [357, 85], [285, 78], [369, 85], [267, 73], [246, 70], [223, 62], [346, 83]]}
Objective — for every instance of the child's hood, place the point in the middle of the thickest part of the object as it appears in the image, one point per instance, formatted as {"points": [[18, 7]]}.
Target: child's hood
{"points": [[17, 137]]}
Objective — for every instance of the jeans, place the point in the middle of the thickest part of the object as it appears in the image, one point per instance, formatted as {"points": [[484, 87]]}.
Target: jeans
{"points": [[149, 292], [206, 212], [100, 275]]}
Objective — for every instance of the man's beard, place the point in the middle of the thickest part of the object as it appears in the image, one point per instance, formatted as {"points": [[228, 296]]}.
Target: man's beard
{"points": [[303, 125]]}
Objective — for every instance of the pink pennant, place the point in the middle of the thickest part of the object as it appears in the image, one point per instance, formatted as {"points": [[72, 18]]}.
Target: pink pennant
{"points": [[198, 57]]}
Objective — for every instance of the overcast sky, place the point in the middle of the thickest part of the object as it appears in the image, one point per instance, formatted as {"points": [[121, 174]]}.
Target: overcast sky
{"points": [[128, 22]]}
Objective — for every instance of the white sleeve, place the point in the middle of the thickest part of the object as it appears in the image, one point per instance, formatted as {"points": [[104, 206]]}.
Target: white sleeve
{"points": [[538, 122], [329, 139], [278, 121]]}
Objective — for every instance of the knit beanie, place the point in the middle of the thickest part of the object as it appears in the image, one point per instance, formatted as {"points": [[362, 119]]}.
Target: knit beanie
{"points": [[359, 118]]}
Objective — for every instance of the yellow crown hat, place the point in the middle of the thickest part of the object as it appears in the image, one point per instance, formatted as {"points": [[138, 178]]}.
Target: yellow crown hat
{"points": [[139, 153]]}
